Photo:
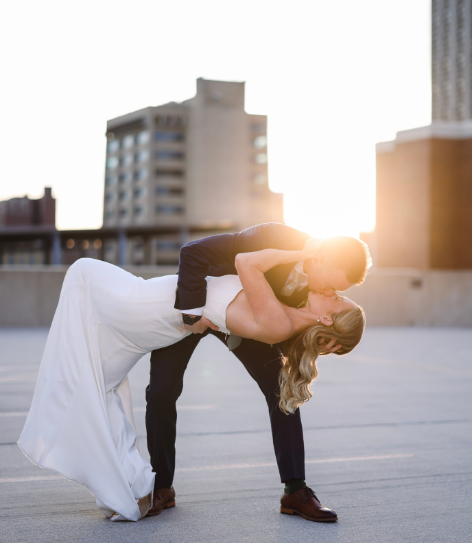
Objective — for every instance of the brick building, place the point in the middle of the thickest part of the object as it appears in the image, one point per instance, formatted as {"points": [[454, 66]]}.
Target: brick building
{"points": [[21, 215]]}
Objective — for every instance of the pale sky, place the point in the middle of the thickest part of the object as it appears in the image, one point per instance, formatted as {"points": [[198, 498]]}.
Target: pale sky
{"points": [[334, 77]]}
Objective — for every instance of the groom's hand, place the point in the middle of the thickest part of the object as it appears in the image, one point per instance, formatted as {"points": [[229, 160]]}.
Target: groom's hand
{"points": [[327, 346], [200, 326]]}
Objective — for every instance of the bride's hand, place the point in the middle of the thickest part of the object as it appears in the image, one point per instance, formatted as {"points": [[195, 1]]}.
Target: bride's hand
{"points": [[328, 347]]}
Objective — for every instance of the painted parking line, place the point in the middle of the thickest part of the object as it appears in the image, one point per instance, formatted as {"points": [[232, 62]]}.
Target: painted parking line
{"points": [[19, 377], [29, 479], [16, 367], [227, 466], [181, 408], [317, 461], [136, 410]]}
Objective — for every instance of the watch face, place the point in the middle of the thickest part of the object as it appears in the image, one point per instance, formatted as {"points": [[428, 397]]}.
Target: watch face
{"points": [[190, 320]]}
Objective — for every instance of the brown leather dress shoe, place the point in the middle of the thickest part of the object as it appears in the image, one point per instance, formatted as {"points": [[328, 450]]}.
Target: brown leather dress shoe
{"points": [[305, 503], [164, 498]]}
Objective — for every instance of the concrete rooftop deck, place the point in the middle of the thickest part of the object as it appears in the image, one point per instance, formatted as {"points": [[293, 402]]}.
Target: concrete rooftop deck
{"points": [[388, 437]]}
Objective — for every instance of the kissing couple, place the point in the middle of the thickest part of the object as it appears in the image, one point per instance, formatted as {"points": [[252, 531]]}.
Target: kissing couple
{"points": [[269, 293]]}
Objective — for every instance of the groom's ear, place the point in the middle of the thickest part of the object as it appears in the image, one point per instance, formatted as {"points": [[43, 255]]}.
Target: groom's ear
{"points": [[316, 260]]}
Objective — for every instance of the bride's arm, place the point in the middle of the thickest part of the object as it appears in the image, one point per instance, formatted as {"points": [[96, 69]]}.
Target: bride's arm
{"points": [[268, 311]]}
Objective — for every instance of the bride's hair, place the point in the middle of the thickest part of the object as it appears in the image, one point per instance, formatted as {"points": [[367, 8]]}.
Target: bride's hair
{"points": [[299, 365]]}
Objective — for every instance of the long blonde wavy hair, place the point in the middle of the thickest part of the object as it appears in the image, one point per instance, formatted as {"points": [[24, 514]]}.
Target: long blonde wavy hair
{"points": [[299, 365]]}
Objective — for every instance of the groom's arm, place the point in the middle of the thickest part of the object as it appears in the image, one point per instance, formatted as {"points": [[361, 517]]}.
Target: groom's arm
{"points": [[196, 260], [215, 255]]}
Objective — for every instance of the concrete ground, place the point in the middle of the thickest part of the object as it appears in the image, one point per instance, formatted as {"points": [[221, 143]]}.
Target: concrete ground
{"points": [[388, 438]]}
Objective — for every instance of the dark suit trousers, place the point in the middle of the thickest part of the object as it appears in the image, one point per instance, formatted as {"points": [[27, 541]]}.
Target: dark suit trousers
{"points": [[263, 363]]}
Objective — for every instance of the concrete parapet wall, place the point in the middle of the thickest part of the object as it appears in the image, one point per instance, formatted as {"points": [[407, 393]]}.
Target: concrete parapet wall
{"points": [[390, 297], [29, 294], [408, 297]]}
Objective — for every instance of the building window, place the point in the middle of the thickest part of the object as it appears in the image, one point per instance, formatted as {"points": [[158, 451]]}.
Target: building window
{"points": [[110, 180], [261, 158], [168, 191], [123, 195], [127, 142], [109, 198], [110, 214], [126, 160], [168, 136], [138, 211], [164, 173], [162, 154], [112, 163], [260, 142], [163, 209], [123, 212], [113, 146], [142, 137], [167, 245], [170, 121], [139, 193], [142, 156], [260, 179], [141, 174], [125, 177]]}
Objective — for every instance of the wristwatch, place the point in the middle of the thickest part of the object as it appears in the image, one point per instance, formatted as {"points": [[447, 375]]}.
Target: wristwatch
{"points": [[189, 319]]}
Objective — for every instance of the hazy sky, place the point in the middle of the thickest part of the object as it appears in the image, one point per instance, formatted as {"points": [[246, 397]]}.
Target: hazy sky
{"points": [[334, 77]]}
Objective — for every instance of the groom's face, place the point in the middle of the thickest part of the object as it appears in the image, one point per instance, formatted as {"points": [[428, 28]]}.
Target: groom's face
{"points": [[325, 280]]}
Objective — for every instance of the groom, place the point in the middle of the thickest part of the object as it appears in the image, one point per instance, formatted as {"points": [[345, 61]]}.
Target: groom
{"points": [[340, 263]]}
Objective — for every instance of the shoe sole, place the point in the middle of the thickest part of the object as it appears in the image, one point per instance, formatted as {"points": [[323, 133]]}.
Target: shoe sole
{"points": [[287, 511], [166, 506]]}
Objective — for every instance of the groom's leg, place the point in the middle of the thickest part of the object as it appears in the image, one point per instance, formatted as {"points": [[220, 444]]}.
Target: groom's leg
{"points": [[168, 366], [263, 363]]}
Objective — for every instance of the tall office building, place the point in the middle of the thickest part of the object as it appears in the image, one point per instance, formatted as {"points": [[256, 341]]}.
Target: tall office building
{"points": [[451, 50], [424, 176], [199, 163]]}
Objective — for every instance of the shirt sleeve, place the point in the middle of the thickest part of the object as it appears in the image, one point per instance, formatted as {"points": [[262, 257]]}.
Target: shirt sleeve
{"points": [[197, 312]]}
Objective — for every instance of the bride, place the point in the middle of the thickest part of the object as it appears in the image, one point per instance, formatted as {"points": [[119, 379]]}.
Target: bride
{"points": [[81, 420]]}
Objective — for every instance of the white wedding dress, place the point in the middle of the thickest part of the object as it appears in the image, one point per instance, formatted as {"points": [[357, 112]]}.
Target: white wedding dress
{"points": [[81, 419]]}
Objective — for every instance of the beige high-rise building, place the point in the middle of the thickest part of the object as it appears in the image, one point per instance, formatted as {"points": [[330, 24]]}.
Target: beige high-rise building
{"points": [[199, 163]]}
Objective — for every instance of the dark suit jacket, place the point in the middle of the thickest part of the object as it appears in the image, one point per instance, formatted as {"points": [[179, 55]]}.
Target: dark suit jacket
{"points": [[215, 256]]}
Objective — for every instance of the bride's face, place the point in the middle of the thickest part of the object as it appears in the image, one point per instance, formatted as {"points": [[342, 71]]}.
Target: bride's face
{"points": [[323, 307]]}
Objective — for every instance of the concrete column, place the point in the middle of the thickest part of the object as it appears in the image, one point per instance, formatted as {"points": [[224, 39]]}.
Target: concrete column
{"points": [[147, 240], [184, 235], [101, 251], [121, 248], [47, 250], [56, 249]]}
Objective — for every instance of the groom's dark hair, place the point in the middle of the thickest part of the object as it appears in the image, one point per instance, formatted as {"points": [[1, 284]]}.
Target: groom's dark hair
{"points": [[350, 255]]}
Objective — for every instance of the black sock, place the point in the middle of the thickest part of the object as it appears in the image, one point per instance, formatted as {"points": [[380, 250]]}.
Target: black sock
{"points": [[292, 485]]}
